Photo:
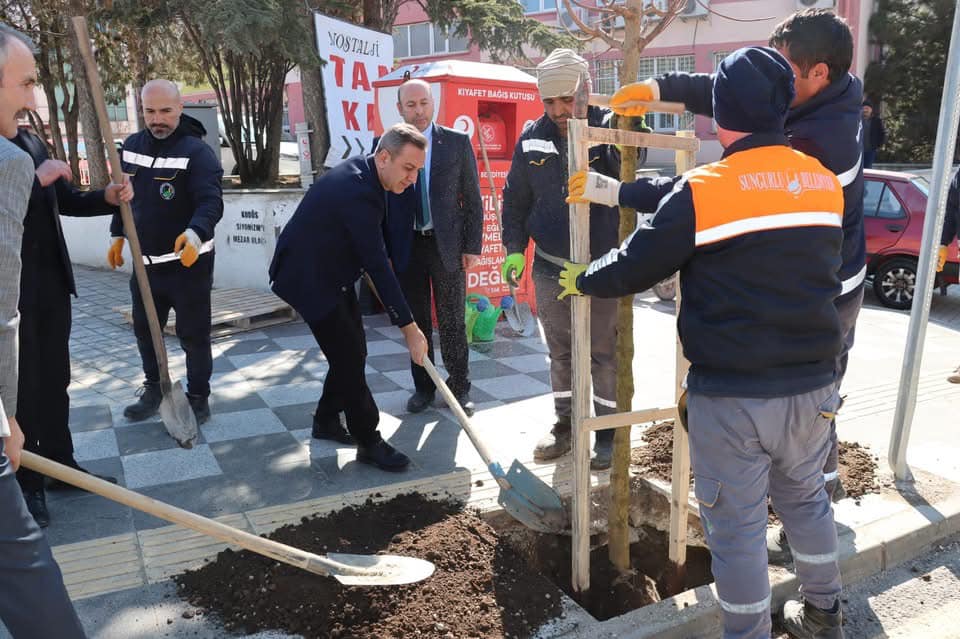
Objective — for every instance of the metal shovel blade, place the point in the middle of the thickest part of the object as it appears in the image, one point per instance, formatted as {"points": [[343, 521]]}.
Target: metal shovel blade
{"points": [[177, 415], [377, 570], [532, 502], [519, 316], [527, 321]]}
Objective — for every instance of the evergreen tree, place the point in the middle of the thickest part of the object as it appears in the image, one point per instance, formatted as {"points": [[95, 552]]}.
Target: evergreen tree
{"points": [[914, 38]]}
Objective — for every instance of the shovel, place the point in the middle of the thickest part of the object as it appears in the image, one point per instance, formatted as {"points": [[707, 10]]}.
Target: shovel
{"points": [[175, 410], [519, 316], [350, 570], [522, 494]]}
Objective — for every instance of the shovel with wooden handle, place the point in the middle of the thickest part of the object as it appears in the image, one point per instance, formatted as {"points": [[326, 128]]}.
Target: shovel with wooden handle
{"points": [[175, 410], [350, 570], [526, 497]]}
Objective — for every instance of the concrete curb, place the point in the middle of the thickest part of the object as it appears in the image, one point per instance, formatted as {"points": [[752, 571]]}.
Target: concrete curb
{"points": [[865, 551]]}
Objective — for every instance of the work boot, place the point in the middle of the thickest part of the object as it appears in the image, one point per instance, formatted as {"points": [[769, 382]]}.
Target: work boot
{"points": [[147, 405], [333, 430], [954, 378], [778, 548], [803, 620], [37, 505], [419, 401], [201, 408], [555, 444], [602, 451]]}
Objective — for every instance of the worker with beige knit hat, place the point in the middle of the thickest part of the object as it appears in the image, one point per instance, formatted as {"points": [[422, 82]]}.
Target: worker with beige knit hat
{"points": [[534, 207]]}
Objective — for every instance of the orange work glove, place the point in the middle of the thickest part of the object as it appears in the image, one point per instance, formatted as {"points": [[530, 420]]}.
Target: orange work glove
{"points": [[941, 258], [115, 253], [643, 91], [188, 246]]}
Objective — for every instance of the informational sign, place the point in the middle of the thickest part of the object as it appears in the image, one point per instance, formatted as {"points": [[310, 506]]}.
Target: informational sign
{"points": [[355, 57]]}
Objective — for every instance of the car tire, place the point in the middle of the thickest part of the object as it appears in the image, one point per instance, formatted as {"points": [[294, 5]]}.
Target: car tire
{"points": [[894, 282]]}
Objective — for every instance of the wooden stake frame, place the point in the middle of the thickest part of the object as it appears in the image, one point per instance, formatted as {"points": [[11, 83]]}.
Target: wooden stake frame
{"points": [[579, 139]]}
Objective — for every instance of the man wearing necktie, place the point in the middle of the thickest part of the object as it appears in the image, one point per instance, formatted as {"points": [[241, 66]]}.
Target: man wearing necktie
{"points": [[434, 234]]}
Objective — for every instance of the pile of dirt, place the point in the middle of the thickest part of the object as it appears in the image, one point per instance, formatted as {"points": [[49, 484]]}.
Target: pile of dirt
{"points": [[858, 467], [656, 458], [481, 587], [858, 470]]}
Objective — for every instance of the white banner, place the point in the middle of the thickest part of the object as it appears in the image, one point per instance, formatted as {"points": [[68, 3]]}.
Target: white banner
{"points": [[355, 58]]}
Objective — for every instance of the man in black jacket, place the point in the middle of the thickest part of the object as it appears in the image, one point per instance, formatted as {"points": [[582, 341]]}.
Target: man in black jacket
{"points": [[334, 238], [534, 207], [179, 202], [46, 285], [951, 228], [434, 234], [824, 122]]}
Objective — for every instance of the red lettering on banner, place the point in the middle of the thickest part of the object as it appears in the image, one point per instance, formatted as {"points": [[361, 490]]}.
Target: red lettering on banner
{"points": [[337, 69], [360, 76], [382, 70], [370, 120], [350, 115]]}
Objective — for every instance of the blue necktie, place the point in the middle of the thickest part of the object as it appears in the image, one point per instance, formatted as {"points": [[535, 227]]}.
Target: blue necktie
{"points": [[423, 215]]}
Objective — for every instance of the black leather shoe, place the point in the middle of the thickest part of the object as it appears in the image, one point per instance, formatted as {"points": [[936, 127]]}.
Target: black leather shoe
{"points": [[201, 408], [419, 401], [56, 484], [37, 505], [383, 456], [147, 405], [332, 430], [466, 404]]}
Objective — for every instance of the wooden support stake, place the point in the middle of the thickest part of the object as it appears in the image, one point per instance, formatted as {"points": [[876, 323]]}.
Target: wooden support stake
{"points": [[680, 483], [598, 135], [578, 160]]}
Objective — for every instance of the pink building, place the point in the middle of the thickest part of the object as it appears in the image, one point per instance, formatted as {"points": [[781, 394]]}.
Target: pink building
{"points": [[704, 34], [696, 42]]}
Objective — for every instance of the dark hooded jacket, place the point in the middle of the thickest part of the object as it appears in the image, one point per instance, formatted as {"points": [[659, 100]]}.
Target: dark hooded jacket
{"points": [[177, 186], [826, 127]]}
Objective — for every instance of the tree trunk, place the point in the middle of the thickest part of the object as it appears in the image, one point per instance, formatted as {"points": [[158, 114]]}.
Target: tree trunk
{"points": [[619, 548], [96, 153], [53, 120], [314, 108], [373, 15]]}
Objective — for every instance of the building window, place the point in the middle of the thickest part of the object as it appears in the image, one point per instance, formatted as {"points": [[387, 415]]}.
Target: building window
{"points": [[411, 40], [538, 6], [650, 67], [606, 77], [117, 112]]}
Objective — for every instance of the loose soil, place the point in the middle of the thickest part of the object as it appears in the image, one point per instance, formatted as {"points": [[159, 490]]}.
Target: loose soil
{"points": [[481, 587], [858, 467], [486, 585], [611, 595]]}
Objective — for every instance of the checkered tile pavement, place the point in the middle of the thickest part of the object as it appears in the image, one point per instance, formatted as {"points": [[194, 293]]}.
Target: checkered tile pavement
{"points": [[256, 450]]}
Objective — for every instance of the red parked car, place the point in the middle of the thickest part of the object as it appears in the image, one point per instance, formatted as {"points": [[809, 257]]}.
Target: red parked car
{"points": [[894, 204]]}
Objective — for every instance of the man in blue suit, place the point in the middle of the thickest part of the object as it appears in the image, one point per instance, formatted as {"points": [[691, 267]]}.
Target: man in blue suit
{"points": [[333, 238], [434, 234]]}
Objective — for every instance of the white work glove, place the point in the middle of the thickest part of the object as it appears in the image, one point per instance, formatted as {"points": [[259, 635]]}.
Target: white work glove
{"points": [[593, 187]]}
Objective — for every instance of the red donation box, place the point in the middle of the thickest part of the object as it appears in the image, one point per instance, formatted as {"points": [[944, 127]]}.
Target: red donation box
{"points": [[476, 98]]}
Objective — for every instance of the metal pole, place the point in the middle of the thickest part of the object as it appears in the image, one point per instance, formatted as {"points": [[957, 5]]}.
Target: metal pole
{"points": [[926, 269]]}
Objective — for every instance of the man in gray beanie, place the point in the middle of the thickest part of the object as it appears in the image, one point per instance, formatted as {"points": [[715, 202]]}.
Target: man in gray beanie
{"points": [[756, 238], [534, 208]]}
